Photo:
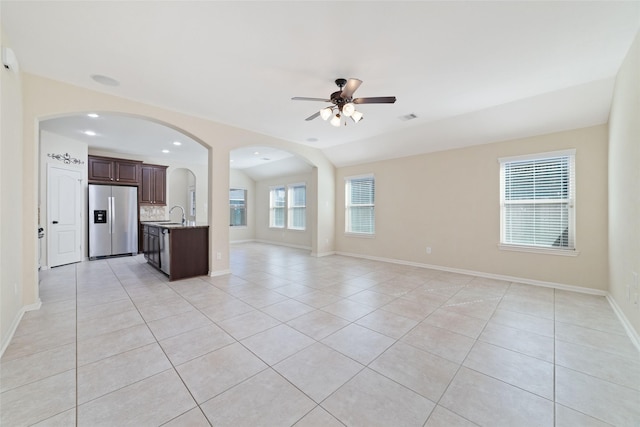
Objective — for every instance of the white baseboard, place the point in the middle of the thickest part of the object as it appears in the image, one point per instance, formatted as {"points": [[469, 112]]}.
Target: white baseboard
{"points": [[237, 242], [632, 333], [526, 281], [322, 254], [270, 242], [219, 273], [16, 321]]}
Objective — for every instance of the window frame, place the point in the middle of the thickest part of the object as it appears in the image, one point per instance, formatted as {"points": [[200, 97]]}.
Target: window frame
{"points": [[290, 206], [272, 208], [245, 193], [348, 224], [569, 201]]}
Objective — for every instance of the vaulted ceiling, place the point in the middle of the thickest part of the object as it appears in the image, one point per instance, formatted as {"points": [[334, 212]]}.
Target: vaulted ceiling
{"points": [[471, 72]]}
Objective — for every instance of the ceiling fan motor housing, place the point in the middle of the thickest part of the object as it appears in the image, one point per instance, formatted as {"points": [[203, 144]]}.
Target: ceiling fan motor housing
{"points": [[337, 99]]}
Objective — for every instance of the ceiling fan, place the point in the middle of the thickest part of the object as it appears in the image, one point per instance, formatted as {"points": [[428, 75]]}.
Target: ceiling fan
{"points": [[344, 103]]}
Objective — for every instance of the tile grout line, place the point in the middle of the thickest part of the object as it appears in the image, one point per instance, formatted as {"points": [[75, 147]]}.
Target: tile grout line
{"points": [[465, 358], [76, 342], [157, 342], [555, 397]]}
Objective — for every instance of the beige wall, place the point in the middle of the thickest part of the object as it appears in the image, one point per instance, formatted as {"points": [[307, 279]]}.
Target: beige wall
{"points": [[12, 225], [449, 201], [624, 187], [239, 179], [283, 236]]}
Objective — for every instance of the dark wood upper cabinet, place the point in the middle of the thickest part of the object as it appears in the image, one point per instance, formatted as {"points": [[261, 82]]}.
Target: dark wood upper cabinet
{"points": [[113, 171], [101, 169], [153, 185], [127, 172]]}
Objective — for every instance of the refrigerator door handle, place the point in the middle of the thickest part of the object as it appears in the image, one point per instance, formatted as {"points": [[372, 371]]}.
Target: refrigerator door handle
{"points": [[112, 215]]}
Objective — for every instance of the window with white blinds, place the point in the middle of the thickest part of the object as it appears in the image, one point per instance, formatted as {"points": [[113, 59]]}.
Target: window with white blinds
{"points": [[237, 207], [360, 205], [297, 212], [537, 199], [276, 207]]}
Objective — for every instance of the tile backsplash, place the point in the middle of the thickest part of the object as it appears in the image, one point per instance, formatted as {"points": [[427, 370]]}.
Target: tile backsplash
{"points": [[152, 213]]}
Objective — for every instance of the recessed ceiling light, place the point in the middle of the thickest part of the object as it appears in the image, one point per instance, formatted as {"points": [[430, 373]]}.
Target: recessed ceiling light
{"points": [[177, 143], [105, 80], [231, 160], [165, 151], [256, 153], [93, 115], [89, 132]]}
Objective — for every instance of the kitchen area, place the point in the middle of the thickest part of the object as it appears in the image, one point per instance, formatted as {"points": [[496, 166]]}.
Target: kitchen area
{"points": [[126, 204], [121, 193]]}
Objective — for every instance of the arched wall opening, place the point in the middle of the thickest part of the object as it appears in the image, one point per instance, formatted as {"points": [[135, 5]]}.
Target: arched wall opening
{"points": [[46, 99], [182, 191], [259, 173]]}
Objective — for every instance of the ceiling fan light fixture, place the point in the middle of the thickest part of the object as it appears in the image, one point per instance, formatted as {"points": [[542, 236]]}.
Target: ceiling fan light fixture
{"points": [[348, 109], [344, 104]]}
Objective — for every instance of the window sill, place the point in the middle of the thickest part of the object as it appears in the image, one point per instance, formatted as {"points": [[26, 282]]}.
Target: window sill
{"points": [[363, 235], [238, 226], [537, 250]]}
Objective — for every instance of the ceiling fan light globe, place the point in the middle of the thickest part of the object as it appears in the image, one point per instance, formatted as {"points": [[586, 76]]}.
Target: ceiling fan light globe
{"points": [[335, 121], [325, 113], [356, 116], [348, 109]]}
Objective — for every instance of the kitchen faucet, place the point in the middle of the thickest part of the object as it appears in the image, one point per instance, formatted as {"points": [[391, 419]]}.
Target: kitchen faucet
{"points": [[184, 220]]}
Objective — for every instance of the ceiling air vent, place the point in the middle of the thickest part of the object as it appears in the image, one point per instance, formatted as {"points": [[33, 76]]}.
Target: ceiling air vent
{"points": [[408, 117]]}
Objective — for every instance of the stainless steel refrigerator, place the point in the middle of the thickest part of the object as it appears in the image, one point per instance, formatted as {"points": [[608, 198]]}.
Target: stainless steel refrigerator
{"points": [[113, 220]]}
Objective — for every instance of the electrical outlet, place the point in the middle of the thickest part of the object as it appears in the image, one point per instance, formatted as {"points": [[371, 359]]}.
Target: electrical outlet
{"points": [[428, 250]]}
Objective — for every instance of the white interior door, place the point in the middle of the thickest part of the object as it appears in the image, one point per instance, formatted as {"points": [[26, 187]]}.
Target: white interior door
{"points": [[64, 216]]}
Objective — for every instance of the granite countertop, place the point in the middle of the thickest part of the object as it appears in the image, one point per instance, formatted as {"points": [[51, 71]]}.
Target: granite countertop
{"points": [[174, 225]]}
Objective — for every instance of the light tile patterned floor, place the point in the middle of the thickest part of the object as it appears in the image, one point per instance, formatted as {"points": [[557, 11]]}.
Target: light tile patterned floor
{"points": [[288, 339]]}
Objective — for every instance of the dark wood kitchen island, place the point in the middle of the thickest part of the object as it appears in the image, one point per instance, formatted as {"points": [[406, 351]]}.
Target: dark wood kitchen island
{"points": [[179, 251]]}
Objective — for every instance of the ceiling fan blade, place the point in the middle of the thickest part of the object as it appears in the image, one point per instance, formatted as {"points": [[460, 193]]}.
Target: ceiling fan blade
{"points": [[350, 87], [375, 100], [313, 116], [304, 98]]}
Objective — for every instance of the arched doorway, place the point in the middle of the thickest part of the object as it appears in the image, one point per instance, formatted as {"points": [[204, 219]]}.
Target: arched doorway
{"points": [[255, 173], [182, 191], [71, 138]]}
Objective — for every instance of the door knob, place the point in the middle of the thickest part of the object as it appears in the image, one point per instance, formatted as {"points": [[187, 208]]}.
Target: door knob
{"points": [[55, 222]]}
